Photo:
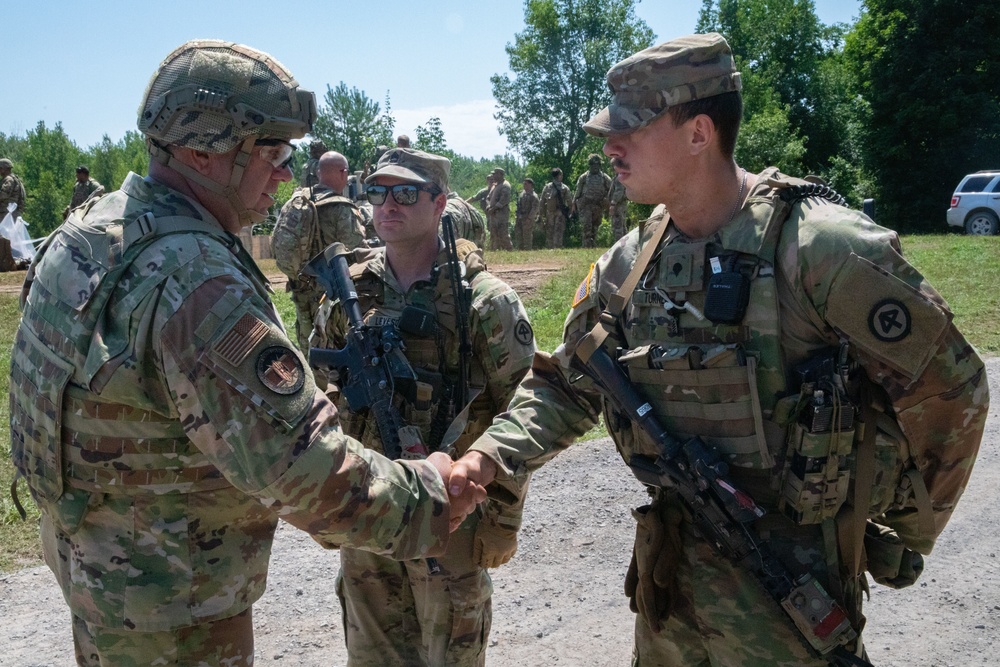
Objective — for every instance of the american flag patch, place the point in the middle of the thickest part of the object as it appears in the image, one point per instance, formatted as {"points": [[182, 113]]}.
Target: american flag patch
{"points": [[236, 344], [583, 291]]}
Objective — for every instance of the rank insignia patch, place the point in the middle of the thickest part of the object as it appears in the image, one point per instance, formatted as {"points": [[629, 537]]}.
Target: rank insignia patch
{"points": [[280, 370], [889, 321]]}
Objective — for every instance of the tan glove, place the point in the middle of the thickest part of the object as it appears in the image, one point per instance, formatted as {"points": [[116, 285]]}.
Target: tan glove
{"points": [[495, 541], [651, 580]]}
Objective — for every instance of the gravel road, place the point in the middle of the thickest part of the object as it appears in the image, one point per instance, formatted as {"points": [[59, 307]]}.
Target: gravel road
{"points": [[559, 601]]}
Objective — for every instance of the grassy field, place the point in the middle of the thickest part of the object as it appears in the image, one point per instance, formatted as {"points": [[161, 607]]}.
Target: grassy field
{"points": [[965, 270]]}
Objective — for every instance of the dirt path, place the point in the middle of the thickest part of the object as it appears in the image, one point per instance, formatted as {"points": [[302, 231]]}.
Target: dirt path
{"points": [[559, 601]]}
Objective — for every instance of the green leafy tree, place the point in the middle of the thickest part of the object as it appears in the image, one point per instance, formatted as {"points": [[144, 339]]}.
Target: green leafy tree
{"points": [[929, 75], [353, 124], [430, 138], [110, 161], [48, 171], [559, 64]]}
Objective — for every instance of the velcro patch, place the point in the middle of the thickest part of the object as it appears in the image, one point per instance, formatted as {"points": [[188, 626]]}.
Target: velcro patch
{"points": [[236, 344], [280, 370], [583, 291], [523, 332]]}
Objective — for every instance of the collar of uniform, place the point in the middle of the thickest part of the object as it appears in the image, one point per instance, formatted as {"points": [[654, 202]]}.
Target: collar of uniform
{"points": [[150, 190]]}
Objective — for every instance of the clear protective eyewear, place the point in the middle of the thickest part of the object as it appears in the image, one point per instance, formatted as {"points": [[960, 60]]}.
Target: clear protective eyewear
{"points": [[404, 194], [279, 153]]}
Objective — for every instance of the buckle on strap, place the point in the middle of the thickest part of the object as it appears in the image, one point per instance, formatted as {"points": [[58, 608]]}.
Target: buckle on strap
{"points": [[138, 229]]}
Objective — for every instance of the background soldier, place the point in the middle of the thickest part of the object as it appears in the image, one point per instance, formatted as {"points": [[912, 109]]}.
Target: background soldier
{"points": [[591, 200], [11, 190], [397, 613], [528, 206], [308, 222], [84, 187], [555, 208], [618, 209], [402, 141], [859, 327], [309, 176], [160, 415], [469, 223], [498, 212], [481, 196]]}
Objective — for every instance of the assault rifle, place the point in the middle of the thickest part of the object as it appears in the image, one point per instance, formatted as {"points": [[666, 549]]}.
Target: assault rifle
{"points": [[723, 514], [372, 364]]}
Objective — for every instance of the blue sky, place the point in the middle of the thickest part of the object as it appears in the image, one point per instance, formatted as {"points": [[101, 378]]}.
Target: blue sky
{"points": [[87, 64]]}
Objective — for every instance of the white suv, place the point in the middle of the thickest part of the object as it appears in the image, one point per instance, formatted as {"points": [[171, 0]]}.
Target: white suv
{"points": [[975, 206]]}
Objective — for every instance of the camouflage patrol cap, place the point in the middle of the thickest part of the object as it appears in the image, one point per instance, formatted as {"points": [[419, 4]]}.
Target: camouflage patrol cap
{"points": [[6, 164], [498, 171], [646, 84], [210, 95], [593, 157], [413, 165]]}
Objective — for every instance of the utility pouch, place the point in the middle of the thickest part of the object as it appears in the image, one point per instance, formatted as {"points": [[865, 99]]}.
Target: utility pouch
{"points": [[727, 297], [889, 562], [817, 472]]}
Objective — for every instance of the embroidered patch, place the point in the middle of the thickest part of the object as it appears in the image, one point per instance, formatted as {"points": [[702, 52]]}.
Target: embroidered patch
{"points": [[280, 370], [583, 291], [889, 321], [237, 343], [523, 333]]}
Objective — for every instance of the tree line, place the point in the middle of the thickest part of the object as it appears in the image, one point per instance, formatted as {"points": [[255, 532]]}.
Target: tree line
{"points": [[897, 106]]}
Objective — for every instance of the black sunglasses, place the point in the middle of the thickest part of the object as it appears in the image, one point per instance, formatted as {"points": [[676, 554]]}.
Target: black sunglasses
{"points": [[405, 194]]}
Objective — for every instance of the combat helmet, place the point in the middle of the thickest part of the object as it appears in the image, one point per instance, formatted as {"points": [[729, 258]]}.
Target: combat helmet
{"points": [[211, 95]]}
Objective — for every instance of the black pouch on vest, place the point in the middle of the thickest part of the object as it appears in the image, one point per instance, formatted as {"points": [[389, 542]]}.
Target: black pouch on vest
{"points": [[727, 297]]}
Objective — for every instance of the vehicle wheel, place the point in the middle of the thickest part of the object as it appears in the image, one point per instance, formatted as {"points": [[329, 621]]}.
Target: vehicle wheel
{"points": [[982, 223]]}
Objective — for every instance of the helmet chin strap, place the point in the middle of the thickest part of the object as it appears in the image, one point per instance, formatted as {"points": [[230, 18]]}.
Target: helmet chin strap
{"points": [[245, 215]]}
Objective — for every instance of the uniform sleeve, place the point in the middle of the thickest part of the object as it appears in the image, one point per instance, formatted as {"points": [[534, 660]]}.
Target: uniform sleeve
{"points": [[852, 275], [247, 399]]}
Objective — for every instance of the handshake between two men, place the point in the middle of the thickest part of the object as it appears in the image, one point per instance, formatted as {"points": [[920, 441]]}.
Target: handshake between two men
{"points": [[466, 480]]}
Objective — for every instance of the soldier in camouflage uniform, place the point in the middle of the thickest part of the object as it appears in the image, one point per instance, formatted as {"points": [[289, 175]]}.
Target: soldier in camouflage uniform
{"points": [[310, 170], [84, 187], [469, 223], [555, 201], [820, 279], [481, 196], [591, 199], [161, 417], [11, 190], [528, 206], [400, 613], [498, 212], [618, 209], [308, 222]]}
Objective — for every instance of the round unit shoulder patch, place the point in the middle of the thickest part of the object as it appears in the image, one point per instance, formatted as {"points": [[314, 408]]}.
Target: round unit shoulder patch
{"points": [[889, 321], [523, 332], [280, 370]]}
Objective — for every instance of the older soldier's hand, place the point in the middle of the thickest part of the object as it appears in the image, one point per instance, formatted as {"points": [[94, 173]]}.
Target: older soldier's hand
{"points": [[473, 467], [464, 493]]}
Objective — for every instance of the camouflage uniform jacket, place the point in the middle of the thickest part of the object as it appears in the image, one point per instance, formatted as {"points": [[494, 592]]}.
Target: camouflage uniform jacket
{"points": [[834, 276], [499, 198], [11, 190], [469, 223], [309, 177], [550, 197], [82, 190], [481, 197], [164, 422], [501, 337], [593, 188], [528, 206], [617, 194]]}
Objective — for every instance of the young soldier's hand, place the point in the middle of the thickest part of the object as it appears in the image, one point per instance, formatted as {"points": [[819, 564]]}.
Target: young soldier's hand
{"points": [[464, 494]]}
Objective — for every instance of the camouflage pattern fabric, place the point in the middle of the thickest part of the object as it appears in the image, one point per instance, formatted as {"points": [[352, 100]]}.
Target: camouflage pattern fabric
{"points": [[308, 222], [189, 424], [528, 206], [11, 190], [498, 216], [555, 221], [469, 223], [309, 177], [591, 201], [480, 197], [396, 613], [619, 210], [837, 275], [83, 190]]}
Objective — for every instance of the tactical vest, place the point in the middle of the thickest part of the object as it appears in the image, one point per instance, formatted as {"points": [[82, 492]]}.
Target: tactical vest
{"points": [[434, 358], [63, 432], [595, 188]]}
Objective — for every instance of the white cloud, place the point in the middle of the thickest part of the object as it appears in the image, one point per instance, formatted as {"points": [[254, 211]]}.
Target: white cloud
{"points": [[469, 127]]}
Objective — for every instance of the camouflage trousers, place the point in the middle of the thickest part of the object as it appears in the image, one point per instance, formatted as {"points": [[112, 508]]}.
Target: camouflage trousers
{"points": [[306, 305], [226, 642], [590, 214], [619, 221], [398, 614], [555, 228], [524, 230], [724, 618], [499, 222]]}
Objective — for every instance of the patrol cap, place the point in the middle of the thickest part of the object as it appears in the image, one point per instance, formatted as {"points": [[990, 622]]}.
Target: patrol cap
{"points": [[646, 84], [413, 165], [82, 169], [593, 157], [498, 171], [6, 164]]}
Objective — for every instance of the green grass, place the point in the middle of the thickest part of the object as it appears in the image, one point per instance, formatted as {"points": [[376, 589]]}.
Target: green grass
{"points": [[965, 270]]}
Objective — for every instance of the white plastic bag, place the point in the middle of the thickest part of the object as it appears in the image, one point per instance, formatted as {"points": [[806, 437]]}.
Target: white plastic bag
{"points": [[16, 231]]}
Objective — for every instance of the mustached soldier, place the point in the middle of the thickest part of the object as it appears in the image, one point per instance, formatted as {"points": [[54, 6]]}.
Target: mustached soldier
{"points": [[788, 333], [159, 413]]}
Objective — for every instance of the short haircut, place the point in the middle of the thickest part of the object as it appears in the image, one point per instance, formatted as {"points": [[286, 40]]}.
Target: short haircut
{"points": [[556, 171], [725, 111]]}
